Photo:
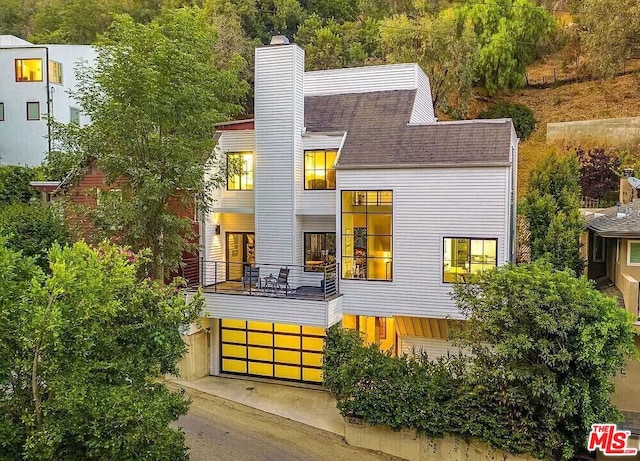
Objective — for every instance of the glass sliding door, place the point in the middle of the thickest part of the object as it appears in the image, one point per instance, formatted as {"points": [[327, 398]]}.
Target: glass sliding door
{"points": [[241, 252]]}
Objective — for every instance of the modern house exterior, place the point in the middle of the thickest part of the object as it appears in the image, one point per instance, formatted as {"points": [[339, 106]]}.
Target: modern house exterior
{"points": [[346, 202], [34, 80]]}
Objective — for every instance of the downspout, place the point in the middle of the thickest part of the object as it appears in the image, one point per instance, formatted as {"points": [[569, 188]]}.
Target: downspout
{"points": [[49, 101]]}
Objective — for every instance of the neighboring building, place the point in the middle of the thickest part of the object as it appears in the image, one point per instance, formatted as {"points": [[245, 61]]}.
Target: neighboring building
{"points": [[34, 80], [347, 202]]}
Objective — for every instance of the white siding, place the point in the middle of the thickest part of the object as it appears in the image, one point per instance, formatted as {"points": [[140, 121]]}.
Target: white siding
{"points": [[276, 310], [428, 205], [279, 116], [316, 202], [235, 200], [423, 106], [413, 346], [215, 245], [361, 79]]}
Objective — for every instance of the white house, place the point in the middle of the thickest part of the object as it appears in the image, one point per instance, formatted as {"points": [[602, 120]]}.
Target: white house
{"points": [[347, 202], [34, 80]]}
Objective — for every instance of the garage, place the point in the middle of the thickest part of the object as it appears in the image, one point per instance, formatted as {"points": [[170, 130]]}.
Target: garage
{"points": [[271, 350]]}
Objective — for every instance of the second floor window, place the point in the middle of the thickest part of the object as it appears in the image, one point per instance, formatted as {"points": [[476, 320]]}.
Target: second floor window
{"points": [[319, 173], [465, 256], [240, 171], [28, 70], [319, 250], [55, 72]]}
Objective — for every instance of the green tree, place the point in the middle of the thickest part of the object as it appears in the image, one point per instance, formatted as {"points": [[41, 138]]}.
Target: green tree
{"points": [[153, 98], [14, 184], [547, 344], [523, 118], [33, 229], [445, 47], [551, 208], [80, 351], [509, 33]]}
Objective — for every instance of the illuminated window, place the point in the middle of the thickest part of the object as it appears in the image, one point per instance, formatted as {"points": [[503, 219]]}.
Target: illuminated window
{"points": [[240, 171], [464, 256], [319, 250], [55, 72], [319, 173], [33, 111], [28, 70], [367, 230]]}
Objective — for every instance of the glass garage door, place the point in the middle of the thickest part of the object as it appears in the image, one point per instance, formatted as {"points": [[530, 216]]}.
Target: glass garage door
{"points": [[272, 350]]}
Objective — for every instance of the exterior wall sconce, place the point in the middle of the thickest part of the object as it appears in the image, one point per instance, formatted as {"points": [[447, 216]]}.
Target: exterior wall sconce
{"points": [[217, 229]]}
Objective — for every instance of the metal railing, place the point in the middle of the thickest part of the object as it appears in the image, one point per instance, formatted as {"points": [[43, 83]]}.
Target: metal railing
{"points": [[318, 282]]}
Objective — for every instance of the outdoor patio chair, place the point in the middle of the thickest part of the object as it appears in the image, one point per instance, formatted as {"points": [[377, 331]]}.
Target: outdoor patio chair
{"points": [[251, 276], [283, 280]]}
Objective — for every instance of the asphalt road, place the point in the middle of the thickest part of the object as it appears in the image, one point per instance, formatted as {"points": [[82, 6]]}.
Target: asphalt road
{"points": [[220, 430]]}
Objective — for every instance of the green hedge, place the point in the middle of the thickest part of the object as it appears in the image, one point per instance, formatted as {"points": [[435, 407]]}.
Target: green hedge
{"points": [[523, 119]]}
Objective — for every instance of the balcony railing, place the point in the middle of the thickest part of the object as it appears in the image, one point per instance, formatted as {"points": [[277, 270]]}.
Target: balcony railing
{"points": [[318, 282]]}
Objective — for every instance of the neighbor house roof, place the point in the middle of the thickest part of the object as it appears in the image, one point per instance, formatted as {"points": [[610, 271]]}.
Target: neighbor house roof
{"points": [[379, 134], [623, 221]]}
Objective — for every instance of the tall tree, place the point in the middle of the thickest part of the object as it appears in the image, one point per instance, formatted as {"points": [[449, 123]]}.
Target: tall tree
{"points": [[153, 96], [551, 208], [80, 351], [598, 172], [445, 47]]}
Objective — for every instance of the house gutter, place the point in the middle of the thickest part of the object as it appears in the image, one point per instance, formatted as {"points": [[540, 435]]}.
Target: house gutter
{"points": [[423, 165]]}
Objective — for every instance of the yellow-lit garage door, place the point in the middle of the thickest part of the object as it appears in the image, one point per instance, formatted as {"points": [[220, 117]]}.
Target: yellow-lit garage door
{"points": [[272, 350]]}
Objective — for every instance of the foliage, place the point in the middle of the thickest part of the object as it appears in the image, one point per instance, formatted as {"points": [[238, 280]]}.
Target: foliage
{"points": [[551, 208], [14, 184], [608, 39], [153, 96], [33, 229], [543, 346], [523, 119], [598, 172], [509, 32], [445, 47], [79, 353]]}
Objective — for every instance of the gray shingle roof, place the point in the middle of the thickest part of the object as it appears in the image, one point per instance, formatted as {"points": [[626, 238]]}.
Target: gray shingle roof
{"points": [[379, 135], [610, 225]]}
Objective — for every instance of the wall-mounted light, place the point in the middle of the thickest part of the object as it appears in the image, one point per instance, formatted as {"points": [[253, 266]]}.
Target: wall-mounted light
{"points": [[217, 229]]}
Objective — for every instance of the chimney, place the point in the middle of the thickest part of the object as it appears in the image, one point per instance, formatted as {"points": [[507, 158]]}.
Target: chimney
{"points": [[627, 192]]}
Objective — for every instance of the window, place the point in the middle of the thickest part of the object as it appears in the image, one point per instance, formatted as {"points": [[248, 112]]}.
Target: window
{"points": [[367, 228], [598, 249], [55, 72], [28, 70], [240, 171], [319, 173], [319, 250], [33, 111], [74, 115], [633, 253], [464, 256], [1, 112]]}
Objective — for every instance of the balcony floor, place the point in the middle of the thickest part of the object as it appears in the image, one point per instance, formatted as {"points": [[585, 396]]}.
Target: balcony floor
{"points": [[303, 292]]}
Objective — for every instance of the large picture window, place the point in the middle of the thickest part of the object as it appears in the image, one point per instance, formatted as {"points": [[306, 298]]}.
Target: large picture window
{"points": [[465, 256], [319, 250], [240, 171], [319, 173], [367, 232], [28, 70]]}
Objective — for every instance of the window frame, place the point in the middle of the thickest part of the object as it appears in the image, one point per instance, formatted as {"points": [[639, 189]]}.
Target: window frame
{"points": [[23, 80], [73, 110], [39, 114], [629, 243], [358, 194], [1, 112], [241, 173], [470, 239], [311, 268], [594, 254], [326, 169], [57, 72]]}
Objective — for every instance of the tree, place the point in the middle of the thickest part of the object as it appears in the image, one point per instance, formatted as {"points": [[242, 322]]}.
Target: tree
{"points": [[551, 208], [446, 49], [80, 351], [546, 345], [153, 98], [509, 32], [598, 172], [14, 184], [523, 119], [33, 229]]}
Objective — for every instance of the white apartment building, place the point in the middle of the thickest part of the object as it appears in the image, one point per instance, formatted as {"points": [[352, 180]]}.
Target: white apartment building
{"points": [[347, 202], [34, 80]]}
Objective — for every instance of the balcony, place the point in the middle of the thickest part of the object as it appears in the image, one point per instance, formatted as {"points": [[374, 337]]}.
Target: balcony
{"points": [[301, 295]]}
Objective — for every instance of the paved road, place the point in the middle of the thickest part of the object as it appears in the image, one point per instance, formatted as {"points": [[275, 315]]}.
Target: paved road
{"points": [[220, 430]]}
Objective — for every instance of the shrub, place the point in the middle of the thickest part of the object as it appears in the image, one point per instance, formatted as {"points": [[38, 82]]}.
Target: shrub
{"points": [[14, 184], [523, 119]]}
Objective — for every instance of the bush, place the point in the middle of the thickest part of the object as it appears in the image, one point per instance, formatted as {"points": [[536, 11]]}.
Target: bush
{"points": [[14, 184], [523, 118]]}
